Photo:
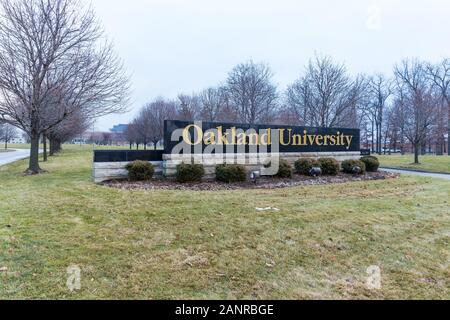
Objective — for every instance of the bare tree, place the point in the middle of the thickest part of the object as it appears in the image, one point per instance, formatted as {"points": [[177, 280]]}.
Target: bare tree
{"points": [[149, 124], [132, 135], [299, 102], [107, 138], [325, 95], [419, 101], [440, 75], [188, 107], [252, 93], [357, 100], [142, 125], [7, 133], [213, 103], [288, 116], [52, 65], [380, 89], [67, 130], [160, 110], [397, 117]]}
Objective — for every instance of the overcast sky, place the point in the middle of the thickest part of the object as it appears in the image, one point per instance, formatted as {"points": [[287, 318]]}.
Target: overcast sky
{"points": [[184, 46]]}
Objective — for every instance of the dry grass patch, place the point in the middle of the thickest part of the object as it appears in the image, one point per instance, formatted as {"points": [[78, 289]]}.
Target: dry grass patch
{"points": [[181, 244], [439, 164]]}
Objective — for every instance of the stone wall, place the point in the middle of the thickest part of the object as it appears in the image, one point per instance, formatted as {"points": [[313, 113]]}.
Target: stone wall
{"points": [[104, 171], [250, 161]]}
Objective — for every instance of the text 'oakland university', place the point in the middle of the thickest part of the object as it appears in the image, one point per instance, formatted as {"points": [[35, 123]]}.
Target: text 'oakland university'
{"points": [[244, 138], [238, 137]]}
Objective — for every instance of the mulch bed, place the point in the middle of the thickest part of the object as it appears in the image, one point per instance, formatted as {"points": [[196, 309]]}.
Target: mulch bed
{"points": [[263, 183]]}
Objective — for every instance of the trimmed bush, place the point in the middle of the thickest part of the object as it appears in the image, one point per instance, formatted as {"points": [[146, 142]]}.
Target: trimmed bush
{"points": [[348, 166], [304, 165], [230, 173], [329, 166], [284, 171], [372, 163], [190, 173], [140, 170]]}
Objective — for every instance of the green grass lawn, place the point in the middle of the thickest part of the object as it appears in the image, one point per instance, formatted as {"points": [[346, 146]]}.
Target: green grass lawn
{"points": [[216, 245], [427, 163], [19, 146]]}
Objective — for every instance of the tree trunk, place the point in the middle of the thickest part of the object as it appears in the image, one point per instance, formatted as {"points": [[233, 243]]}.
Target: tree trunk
{"points": [[33, 167], [55, 146], [45, 147], [58, 146], [440, 146], [417, 147], [423, 148], [379, 139], [373, 139], [402, 142], [385, 146], [52, 147], [446, 149]]}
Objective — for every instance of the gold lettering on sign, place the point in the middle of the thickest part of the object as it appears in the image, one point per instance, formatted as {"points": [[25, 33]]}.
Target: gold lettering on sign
{"points": [[232, 136], [349, 141], [241, 139], [210, 138], [282, 137], [266, 138], [253, 139], [187, 135], [319, 140]]}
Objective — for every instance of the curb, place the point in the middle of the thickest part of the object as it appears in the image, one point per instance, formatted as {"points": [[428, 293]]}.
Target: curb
{"points": [[413, 170]]}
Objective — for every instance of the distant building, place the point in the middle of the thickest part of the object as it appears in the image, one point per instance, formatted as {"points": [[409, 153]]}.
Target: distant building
{"points": [[79, 141], [119, 129], [17, 140]]}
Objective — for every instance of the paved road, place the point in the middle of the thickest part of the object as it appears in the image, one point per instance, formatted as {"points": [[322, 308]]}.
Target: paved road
{"points": [[421, 174], [8, 157]]}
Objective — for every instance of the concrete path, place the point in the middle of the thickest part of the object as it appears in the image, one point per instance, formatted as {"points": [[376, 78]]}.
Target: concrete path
{"points": [[420, 174], [13, 156]]}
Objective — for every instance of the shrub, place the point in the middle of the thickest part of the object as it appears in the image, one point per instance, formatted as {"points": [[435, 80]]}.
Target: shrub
{"points": [[348, 166], [190, 173], [140, 170], [304, 165], [229, 173], [329, 166], [372, 163], [284, 171]]}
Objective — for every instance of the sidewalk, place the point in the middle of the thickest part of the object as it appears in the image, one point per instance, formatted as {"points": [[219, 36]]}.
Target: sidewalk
{"points": [[14, 155], [419, 173]]}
